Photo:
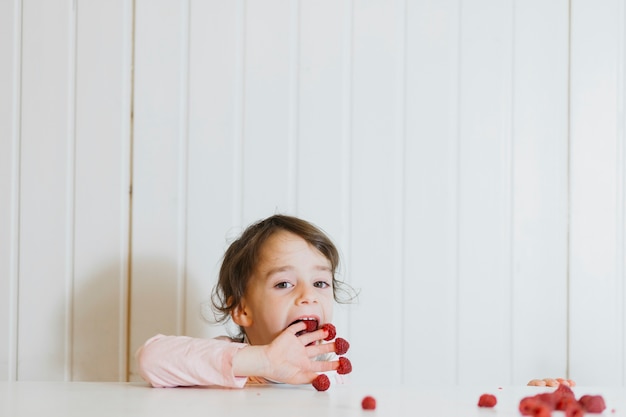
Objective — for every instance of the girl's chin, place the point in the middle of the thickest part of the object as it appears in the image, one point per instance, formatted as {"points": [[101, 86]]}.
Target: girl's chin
{"points": [[255, 339]]}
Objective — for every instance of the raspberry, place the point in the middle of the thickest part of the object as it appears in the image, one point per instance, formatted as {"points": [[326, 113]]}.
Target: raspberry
{"points": [[564, 402], [332, 331], [563, 396], [345, 367], [369, 403], [564, 391], [592, 403], [542, 410], [529, 405], [562, 399], [311, 325], [547, 398], [341, 346], [574, 410], [487, 400], [321, 383]]}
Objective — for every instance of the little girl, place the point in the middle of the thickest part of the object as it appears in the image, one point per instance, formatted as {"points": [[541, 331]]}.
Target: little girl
{"points": [[279, 275]]}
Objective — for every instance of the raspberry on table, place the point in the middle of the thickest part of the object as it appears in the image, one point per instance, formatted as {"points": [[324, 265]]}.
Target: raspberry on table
{"points": [[529, 405], [368, 403], [547, 398], [564, 403], [345, 367], [562, 399], [321, 383], [564, 391], [592, 403], [487, 400], [341, 346], [542, 410], [332, 331], [574, 410]]}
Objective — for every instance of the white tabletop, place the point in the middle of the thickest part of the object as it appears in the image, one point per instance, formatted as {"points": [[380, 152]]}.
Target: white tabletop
{"points": [[93, 399]]}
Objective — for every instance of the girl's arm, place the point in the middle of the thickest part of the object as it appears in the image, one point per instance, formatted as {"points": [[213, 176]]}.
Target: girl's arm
{"points": [[171, 361]]}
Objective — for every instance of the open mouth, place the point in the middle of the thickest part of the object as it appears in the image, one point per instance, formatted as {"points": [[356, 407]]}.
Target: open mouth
{"points": [[311, 325]]}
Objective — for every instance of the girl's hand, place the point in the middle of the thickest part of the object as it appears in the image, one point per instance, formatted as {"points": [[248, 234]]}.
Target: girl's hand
{"points": [[551, 382], [288, 359]]}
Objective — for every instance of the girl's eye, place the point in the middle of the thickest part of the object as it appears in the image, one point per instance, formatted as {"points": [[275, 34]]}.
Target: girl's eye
{"points": [[321, 284], [283, 284]]}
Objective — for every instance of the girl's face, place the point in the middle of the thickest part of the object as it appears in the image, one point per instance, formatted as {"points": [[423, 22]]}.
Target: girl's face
{"points": [[292, 281]]}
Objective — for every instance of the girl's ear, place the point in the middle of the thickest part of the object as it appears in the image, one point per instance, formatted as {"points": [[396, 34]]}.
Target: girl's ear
{"points": [[240, 315]]}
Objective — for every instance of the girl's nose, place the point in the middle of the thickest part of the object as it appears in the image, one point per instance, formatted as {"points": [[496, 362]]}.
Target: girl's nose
{"points": [[307, 295]]}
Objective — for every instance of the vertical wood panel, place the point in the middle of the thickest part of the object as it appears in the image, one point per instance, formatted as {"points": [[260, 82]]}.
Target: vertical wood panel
{"points": [[10, 44], [321, 158], [596, 289], [431, 188], [347, 46], [103, 70], [45, 190], [540, 212], [215, 109], [159, 171], [321, 113], [621, 180], [484, 279], [375, 176], [267, 145]]}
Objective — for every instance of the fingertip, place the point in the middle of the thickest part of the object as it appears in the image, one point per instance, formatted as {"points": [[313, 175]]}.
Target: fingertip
{"points": [[296, 327], [551, 382], [312, 376], [334, 365]]}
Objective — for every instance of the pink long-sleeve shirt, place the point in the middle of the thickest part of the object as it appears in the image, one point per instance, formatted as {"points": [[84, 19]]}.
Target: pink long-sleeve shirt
{"points": [[173, 361], [182, 361]]}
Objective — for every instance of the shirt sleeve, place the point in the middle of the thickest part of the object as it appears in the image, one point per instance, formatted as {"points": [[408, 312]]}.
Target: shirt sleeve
{"points": [[173, 361]]}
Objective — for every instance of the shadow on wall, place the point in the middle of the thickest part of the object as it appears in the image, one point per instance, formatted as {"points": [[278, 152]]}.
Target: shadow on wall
{"points": [[104, 343]]}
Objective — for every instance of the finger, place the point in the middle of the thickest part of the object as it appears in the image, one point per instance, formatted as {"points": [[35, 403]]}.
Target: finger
{"points": [[551, 382], [536, 383], [563, 381], [296, 327], [572, 383], [324, 366], [304, 377], [319, 349], [311, 337], [310, 376]]}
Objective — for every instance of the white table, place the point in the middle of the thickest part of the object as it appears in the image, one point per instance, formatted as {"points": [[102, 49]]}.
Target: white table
{"points": [[93, 399]]}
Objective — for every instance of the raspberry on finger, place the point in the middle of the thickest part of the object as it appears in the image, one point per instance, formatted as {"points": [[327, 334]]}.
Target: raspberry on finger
{"points": [[321, 383], [332, 331], [341, 346], [345, 367]]}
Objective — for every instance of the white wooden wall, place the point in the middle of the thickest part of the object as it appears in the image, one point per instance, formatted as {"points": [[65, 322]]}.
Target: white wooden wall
{"points": [[468, 158]]}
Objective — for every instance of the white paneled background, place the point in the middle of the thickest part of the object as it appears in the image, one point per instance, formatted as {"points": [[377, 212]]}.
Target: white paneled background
{"points": [[468, 158]]}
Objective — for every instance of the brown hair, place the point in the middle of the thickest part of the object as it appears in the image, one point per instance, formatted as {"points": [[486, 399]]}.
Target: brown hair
{"points": [[242, 255]]}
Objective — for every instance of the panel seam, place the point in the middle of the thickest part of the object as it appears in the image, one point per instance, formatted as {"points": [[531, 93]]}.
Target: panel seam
{"points": [[70, 215], [13, 371], [568, 193], [130, 172]]}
